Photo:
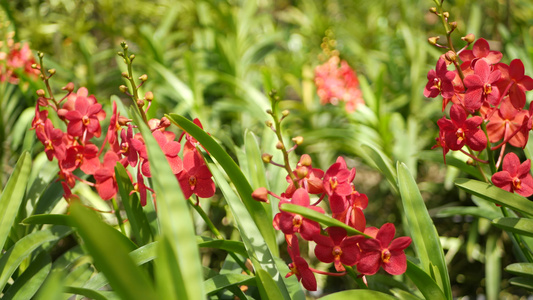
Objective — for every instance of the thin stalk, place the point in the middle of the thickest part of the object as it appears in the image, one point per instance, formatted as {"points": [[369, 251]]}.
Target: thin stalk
{"points": [[117, 214], [217, 234], [359, 280]]}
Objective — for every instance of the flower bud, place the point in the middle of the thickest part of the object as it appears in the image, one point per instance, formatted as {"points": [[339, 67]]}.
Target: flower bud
{"points": [[52, 71], [446, 14], [279, 145], [149, 96], [123, 121], [268, 123], [298, 140], [40, 93], [125, 75], [272, 93], [269, 111], [450, 56], [123, 88], [40, 54], [140, 102], [69, 87], [121, 54], [453, 25], [132, 57], [305, 160], [433, 10], [124, 45], [164, 122], [34, 66], [143, 77], [469, 38], [301, 172], [260, 194], [470, 162], [266, 158], [433, 40], [285, 113]]}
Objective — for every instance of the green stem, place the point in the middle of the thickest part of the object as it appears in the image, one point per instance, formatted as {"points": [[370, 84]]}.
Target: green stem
{"points": [[117, 214], [355, 277], [217, 234], [518, 239]]}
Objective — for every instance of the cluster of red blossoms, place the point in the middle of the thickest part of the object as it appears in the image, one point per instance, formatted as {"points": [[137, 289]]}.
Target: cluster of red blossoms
{"points": [[338, 82], [75, 149], [333, 244], [485, 91], [17, 59]]}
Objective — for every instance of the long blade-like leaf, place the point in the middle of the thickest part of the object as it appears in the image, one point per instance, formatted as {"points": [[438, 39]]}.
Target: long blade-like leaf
{"points": [[422, 229], [12, 196]]}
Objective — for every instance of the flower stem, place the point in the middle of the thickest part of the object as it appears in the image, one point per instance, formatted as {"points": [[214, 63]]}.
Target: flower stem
{"points": [[360, 282], [117, 214], [519, 240]]}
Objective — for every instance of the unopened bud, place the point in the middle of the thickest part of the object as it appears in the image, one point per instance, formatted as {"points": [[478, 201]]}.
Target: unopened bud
{"points": [[469, 38], [446, 14], [123, 121], [451, 56], [34, 66], [272, 93], [269, 111], [260, 194], [433, 40], [143, 77], [453, 25], [121, 54], [40, 54], [268, 123], [301, 172], [279, 145], [149, 96], [124, 45], [140, 102], [285, 113], [125, 75], [132, 57], [52, 71], [266, 158], [305, 160], [40, 93], [69, 87], [470, 162], [298, 140], [433, 10], [123, 88], [164, 122]]}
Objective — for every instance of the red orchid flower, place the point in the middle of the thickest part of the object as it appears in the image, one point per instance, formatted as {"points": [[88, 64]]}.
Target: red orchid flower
{"points": [[299, 266], [337, 248], [440, 81], [290, 223], [383, 251], [106, 183], [338, 178], [349, 209], [84, 120], [505, 121], [195, 178], [480, 51], [514, 177], [518, 81], [52, 139], [460, 131], [307, 177], [481, 87]]}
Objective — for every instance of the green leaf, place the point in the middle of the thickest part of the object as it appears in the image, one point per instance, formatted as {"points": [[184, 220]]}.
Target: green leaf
{"points": [[427, 285], [27, 284], [110, 255], [523, 282], [220, 282], [230, 246], [52, 287], [320, 218], [493, 266], [423, 231], [256, 247], [436, 156], [132, 205], [12, 258], [521, 269], [382, 163], [358, 294], [180, 235], [521, 226], [91, 294], [12, 196], [468, 211], [403, 295], [53, 219], [255, 209], [495, 194]]}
